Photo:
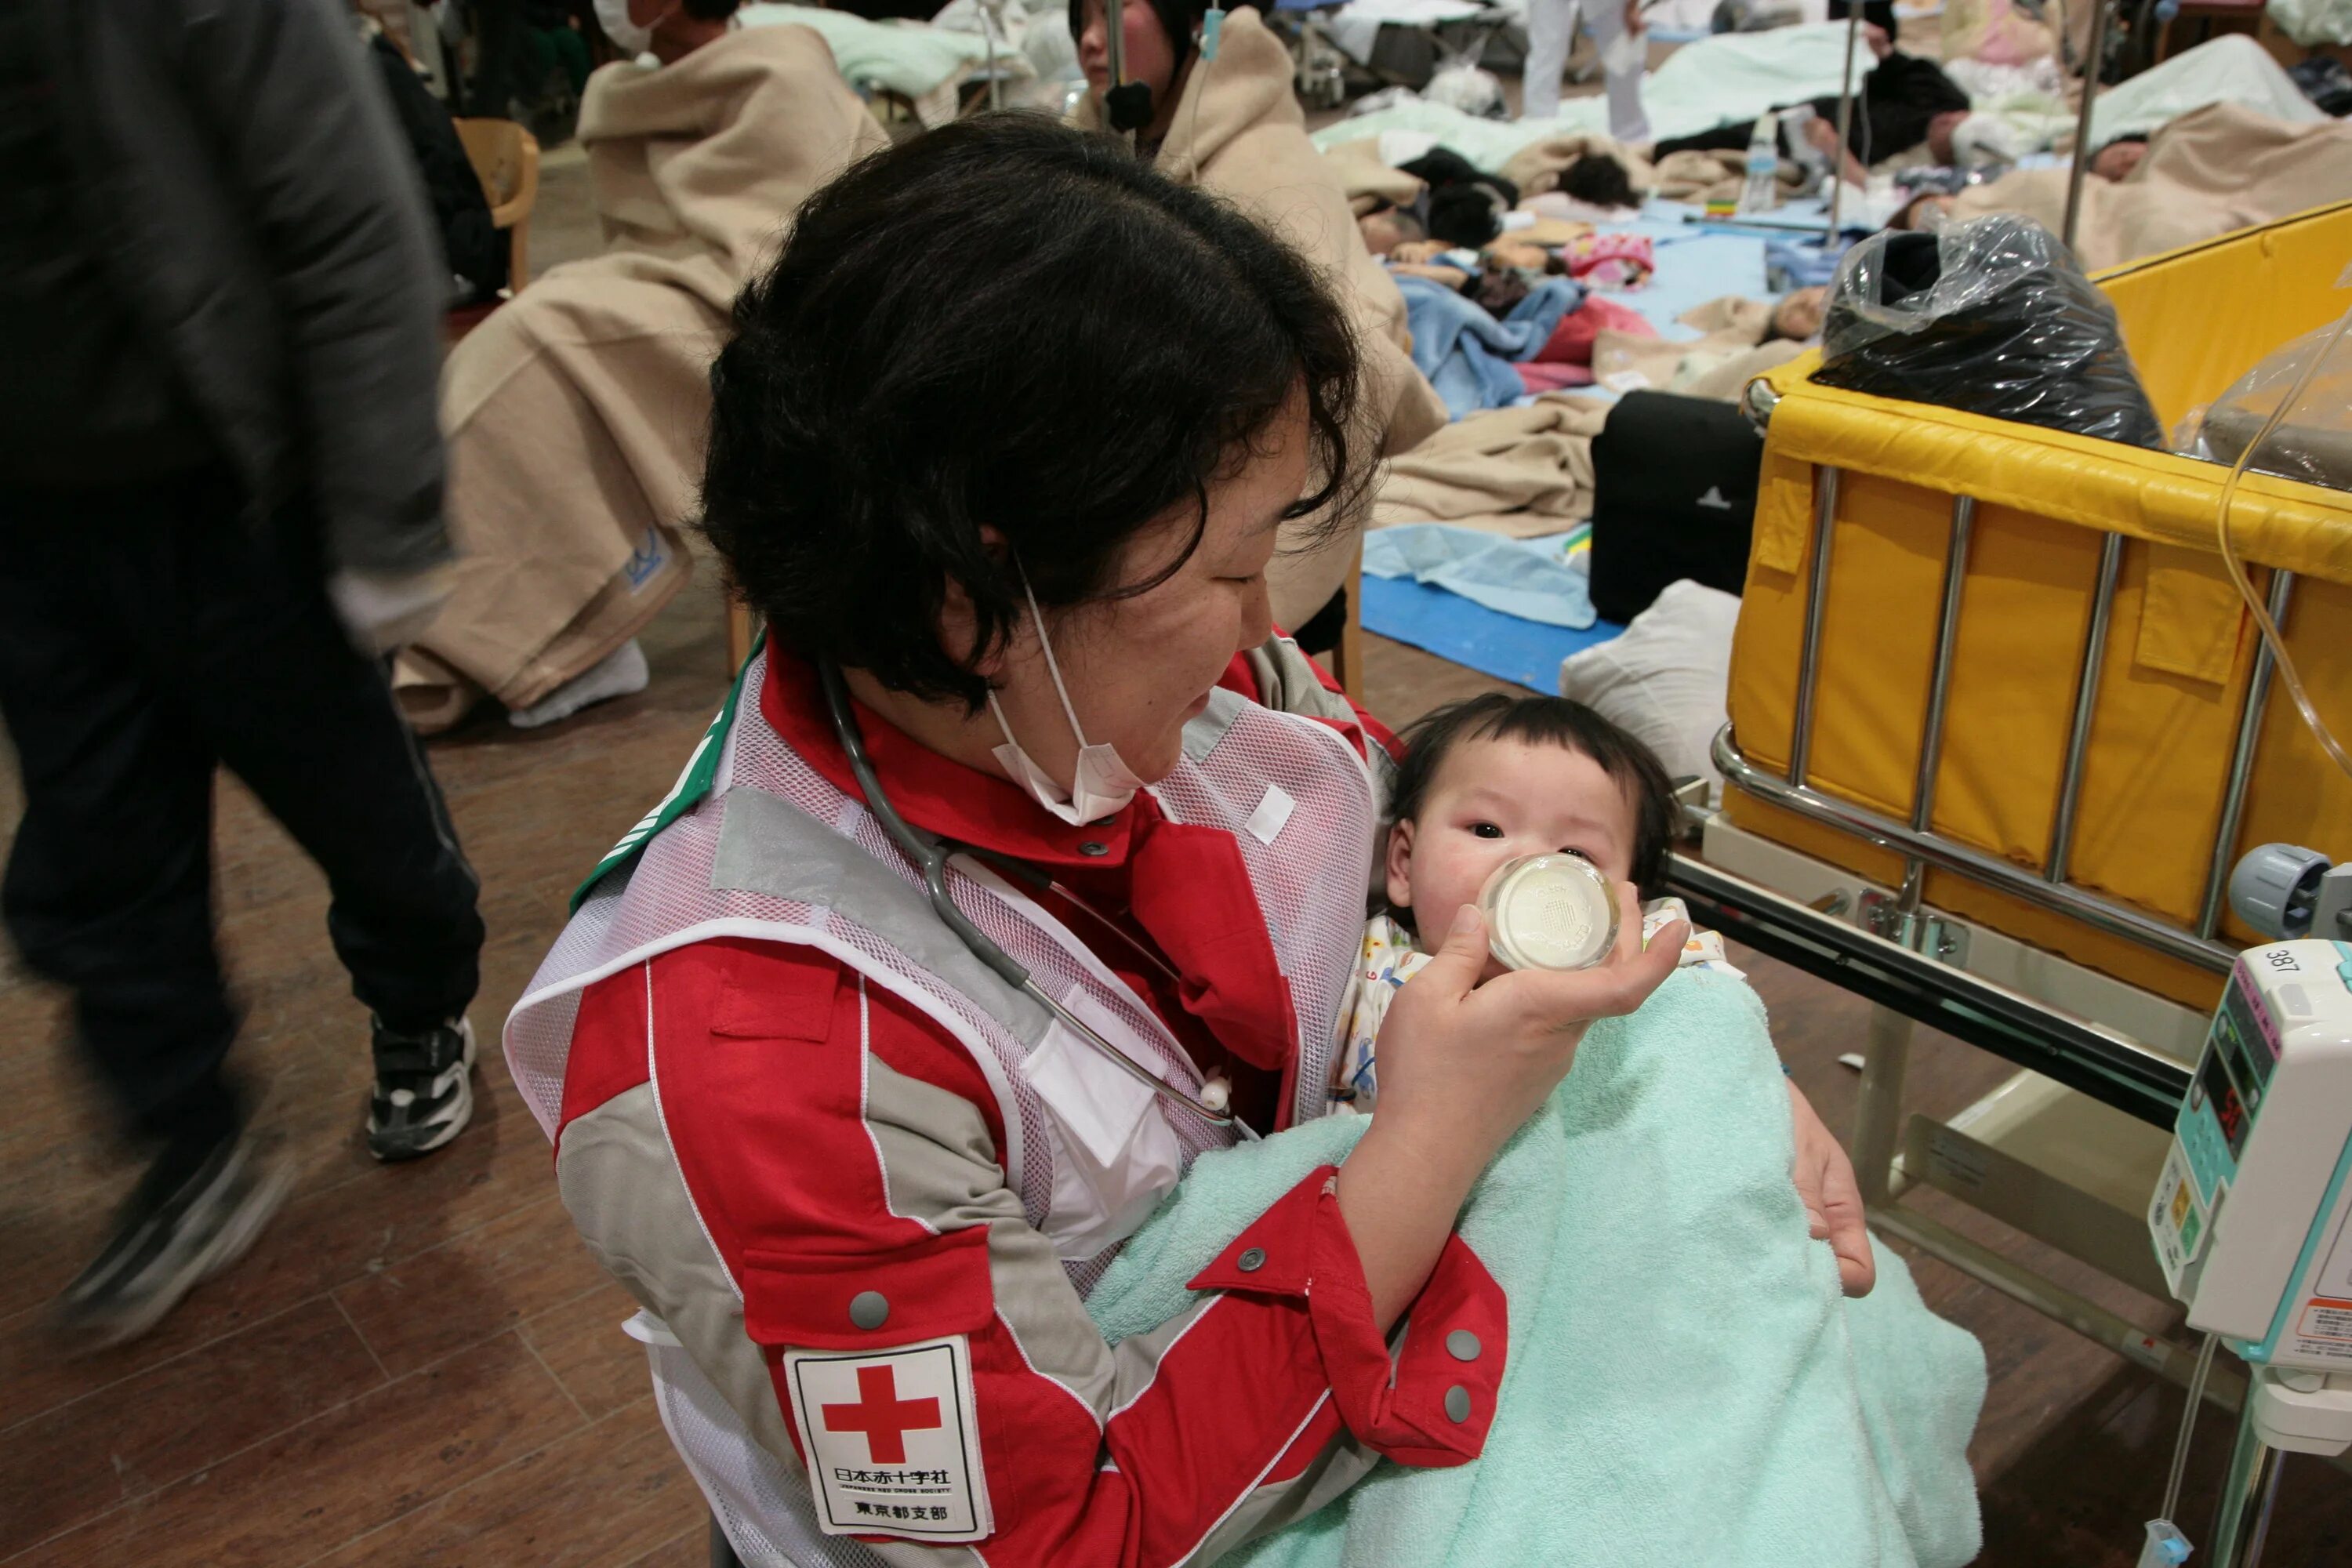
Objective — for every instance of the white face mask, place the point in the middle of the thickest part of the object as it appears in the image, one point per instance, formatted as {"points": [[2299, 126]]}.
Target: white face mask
{"points": [[1102, 784], [631, 40]]}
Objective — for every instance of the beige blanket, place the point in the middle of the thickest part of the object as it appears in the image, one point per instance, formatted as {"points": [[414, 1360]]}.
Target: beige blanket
{"points": [[1369, 183], [1537, 167], [2207, 173], [1528, 470], [1716, 177], [1719, 365], [1515, 471], [575, 414], [1238, 131]]}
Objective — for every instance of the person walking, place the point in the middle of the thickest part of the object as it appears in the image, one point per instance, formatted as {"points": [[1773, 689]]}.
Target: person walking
{"points": [[220, 486]]}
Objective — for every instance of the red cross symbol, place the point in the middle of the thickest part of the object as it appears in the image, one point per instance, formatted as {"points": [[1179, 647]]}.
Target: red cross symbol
{"points": [[882, 1415]]}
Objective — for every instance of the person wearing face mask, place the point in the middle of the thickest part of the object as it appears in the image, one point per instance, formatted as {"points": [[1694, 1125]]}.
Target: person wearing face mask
{"points": [[859, 1178], [1232, 125], [669, 30], [574, 411]]}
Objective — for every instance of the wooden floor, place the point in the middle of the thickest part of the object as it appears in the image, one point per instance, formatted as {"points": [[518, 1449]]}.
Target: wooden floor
{"points": [[420, 1364]]}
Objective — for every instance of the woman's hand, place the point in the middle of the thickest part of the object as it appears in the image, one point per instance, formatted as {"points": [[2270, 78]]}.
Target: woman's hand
{"points": [[1833, 1201], [1475, 1060]]}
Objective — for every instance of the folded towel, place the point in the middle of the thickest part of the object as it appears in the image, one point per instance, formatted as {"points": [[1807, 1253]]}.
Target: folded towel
{"points": [[1686, 1385], [1517, 577]]}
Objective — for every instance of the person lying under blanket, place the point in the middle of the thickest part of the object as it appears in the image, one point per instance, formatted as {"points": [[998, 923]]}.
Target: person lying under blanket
{"points": [[1685, 1383], [1907, 110], [2219, 169]]}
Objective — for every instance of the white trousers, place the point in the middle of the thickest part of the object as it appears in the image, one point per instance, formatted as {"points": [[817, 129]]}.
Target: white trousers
{"points": [[1550, 24]]}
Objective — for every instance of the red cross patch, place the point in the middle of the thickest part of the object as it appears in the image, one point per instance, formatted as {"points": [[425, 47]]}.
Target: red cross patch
{"points": [[892, 1440]]}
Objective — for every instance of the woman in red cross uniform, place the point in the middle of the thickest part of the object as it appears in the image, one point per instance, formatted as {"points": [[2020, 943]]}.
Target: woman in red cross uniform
{"points": [[999, 448]]}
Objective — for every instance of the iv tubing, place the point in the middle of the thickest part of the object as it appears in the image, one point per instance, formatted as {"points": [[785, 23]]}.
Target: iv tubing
{"points": [[2318, 726], [2188, 1426]]}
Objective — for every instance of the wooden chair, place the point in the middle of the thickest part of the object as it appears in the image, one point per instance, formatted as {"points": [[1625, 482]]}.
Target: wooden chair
{"points": [[1348, 658], [743, 629], [505, 159]]}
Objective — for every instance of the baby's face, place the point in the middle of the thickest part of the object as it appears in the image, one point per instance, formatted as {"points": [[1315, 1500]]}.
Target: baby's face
{"points": [[1382, 233], [1799, 316], [2118, 159], [1494, 801]]}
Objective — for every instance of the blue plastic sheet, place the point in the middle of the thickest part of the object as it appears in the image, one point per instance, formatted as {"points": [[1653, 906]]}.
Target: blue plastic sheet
{"points": [[1450, 627], [1466, 353], [1693, 265], [1516, 576]]}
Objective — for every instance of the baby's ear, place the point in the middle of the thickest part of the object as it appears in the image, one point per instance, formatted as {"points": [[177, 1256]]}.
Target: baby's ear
{"points": [[1399, 865]]}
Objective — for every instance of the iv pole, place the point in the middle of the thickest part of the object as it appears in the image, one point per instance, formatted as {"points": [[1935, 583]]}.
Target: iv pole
{"points": [[988, 20], [2082, 165], [1845, 122]]}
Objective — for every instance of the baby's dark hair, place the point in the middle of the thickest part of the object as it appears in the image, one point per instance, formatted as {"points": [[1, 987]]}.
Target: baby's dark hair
{"points": [[1600, 180], [1547, 722]]}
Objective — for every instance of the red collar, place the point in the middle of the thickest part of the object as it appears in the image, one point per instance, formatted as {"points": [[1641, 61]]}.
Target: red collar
{"points": [[936, 794]]}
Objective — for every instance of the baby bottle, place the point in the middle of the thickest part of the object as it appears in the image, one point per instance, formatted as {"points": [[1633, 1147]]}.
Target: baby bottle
{"points": [[1549, 911]]}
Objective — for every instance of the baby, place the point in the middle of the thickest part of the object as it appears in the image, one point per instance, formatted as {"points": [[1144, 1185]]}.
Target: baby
{"points": [[1486, 781]]}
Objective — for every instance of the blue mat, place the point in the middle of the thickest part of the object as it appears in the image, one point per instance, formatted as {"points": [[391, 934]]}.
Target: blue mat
{"points": [[1695, 264], [1453, 627]]}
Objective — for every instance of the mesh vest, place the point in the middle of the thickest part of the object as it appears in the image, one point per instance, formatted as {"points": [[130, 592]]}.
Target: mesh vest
{"points": [[755, 843]]}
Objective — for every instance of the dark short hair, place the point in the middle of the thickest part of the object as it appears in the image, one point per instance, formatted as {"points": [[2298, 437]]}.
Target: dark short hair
{"points": [[711, 10], [1600, 179], [1547, 722], [1009, 324]]}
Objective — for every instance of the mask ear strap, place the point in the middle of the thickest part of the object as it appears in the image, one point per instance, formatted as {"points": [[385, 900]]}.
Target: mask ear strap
{"points": [[1002, 728], [1052, 666]]}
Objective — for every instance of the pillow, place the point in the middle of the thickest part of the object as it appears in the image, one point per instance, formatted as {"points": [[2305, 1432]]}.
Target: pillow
{"points": [[1664, 680]]}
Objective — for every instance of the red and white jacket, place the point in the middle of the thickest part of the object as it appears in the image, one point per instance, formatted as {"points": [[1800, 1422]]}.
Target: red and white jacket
{"points": [[860, 1185]]}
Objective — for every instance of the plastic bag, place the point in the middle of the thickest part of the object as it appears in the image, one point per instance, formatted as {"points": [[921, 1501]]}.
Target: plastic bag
{"points": [[1461, 84], [2313, 442], [1991, 317]]}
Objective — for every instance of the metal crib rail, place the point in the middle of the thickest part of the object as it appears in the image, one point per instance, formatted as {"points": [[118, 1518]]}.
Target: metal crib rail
{"points": [[2046, 886], [2103, 1063]]}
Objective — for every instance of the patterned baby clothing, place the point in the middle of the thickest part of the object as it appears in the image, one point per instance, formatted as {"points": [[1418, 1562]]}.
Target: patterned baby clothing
{"points": [[1388, 958]]}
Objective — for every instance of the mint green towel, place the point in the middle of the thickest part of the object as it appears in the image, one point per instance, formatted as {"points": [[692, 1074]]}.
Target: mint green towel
{"points": [[1688, 1388]]}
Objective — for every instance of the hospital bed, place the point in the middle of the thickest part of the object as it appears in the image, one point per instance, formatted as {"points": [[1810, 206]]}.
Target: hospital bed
{"points": [[1999, 732]]}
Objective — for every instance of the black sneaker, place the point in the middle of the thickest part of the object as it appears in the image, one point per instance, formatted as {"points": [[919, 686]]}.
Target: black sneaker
{"points": [[424, 1089], [177, 1230]]}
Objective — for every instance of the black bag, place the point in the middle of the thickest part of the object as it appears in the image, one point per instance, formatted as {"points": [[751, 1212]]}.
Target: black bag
{"points": [[1991, 317], [1674, 496]]}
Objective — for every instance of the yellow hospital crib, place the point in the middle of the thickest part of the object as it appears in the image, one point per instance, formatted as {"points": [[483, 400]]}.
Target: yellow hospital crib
{"points": [[1994, 701]]}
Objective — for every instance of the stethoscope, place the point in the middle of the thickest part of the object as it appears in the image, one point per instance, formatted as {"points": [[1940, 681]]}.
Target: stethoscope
{"points": [[932, 855]]}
